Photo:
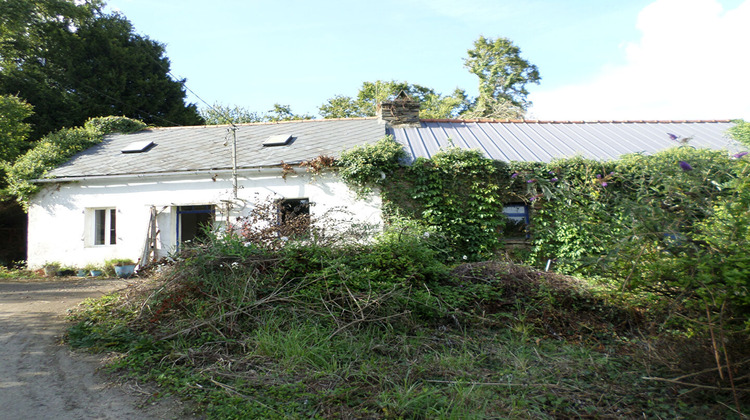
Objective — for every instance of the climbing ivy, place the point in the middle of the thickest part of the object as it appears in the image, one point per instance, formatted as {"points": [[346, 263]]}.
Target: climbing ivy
{"points": [[369, 165], [458, 193], [56, 148]]}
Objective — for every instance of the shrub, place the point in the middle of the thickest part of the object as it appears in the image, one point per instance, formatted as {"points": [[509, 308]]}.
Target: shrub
{"points": [[56, 148]]}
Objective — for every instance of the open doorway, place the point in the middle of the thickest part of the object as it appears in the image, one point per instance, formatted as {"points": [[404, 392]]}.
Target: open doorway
{"points": [[194, 222]]}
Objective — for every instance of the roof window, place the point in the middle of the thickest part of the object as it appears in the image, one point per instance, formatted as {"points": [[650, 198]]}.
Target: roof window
{"points": [[138, 147], [278, 140]]}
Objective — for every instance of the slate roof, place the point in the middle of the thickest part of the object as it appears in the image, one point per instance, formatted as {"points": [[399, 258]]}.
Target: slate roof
{"points": [[208, 148], [542, 141], [205, 148]]}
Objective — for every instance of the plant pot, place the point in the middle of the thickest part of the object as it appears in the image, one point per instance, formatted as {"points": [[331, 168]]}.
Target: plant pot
{"points": [[82, 273], [124, 271], [96, 273]]}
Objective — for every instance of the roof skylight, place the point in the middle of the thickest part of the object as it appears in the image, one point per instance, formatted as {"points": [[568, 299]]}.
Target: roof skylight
{"points": [[138, 147], [278, 140]]}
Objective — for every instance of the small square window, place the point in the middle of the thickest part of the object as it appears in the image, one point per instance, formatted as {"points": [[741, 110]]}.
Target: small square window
{"points": [[294, 215], [518, 220]]}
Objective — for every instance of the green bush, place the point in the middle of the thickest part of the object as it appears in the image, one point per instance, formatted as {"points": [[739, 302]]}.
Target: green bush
{"points": [[57, 148]]}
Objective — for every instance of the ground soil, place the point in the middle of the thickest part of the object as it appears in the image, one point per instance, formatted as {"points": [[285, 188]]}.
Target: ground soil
{"points": [[41, 378]]}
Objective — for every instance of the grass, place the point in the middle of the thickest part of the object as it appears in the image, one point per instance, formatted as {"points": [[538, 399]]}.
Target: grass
{"points": [[253, 334]]}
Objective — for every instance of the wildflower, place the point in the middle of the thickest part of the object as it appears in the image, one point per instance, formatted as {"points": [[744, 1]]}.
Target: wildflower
{"points": [[426, 234], [685, 166], [604, 184], [465, 257], [553, 180], [515, 174], [530, 181], [672, 136], [739, 155], [551, 173], [598, 176]]}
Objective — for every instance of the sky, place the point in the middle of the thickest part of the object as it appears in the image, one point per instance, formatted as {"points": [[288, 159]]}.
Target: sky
{"points": [[599, 59]]}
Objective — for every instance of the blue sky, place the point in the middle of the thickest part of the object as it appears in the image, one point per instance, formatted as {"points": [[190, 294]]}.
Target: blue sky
{"points": [[599, 59]]}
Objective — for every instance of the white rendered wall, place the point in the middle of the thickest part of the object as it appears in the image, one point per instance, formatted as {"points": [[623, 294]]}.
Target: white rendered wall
{"points": [[58, 230]]}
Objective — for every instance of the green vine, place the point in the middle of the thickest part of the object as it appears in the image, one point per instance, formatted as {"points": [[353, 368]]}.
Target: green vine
{"points": [[57, 148]]}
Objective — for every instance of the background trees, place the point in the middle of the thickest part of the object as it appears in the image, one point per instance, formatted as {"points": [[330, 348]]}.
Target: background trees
{"points": [[72, 62], [503, 76]]}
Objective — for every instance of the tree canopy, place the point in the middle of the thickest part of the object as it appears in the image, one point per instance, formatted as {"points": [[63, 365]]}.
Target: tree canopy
{"points": [[71, 61], [503, 76], [222, 114], [13, 129], [432, 104]]}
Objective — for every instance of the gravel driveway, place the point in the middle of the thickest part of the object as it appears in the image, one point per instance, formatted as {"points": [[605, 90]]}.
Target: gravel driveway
{"points": [[40, 378]]}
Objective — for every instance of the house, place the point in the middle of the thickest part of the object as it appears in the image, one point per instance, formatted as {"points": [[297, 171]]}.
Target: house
{"points": [[140, 195]]}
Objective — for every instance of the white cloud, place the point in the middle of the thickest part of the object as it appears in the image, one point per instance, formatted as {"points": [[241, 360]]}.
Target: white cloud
{"points": [[691, 62]]}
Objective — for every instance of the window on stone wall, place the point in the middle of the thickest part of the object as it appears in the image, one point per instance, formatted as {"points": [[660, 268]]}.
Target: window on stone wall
{"points": [[105, 227]]}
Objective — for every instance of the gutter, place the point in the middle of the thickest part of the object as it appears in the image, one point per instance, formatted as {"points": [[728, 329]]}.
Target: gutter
{"points": [[263, 170]]}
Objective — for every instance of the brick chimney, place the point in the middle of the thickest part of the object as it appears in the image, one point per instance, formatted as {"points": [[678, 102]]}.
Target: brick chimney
{"points": [[401, 112]]}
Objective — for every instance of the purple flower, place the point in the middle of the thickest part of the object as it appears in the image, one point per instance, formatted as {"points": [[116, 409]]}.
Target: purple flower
{"points": [[515, 174], [553, 180], [611, 173], [551, 173], [532, 199], [598, 176], [739, 155], [672, 136], [604, 184], [685, 166], [530, 181]]}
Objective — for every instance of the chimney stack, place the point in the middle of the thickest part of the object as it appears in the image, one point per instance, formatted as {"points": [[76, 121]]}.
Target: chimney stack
{"points": [[401, 112]]}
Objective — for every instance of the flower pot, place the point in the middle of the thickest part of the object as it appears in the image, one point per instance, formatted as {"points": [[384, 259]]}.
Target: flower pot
{"points": [[124, 271], [96, 273]]}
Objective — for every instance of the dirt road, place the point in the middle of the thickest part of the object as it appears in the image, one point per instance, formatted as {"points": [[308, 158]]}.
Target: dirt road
{"points": [[41, 378]]}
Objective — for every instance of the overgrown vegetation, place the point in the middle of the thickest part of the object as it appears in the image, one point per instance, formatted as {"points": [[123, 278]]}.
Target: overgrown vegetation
{"points": [[319, 324], [302, 320], [56, 148]]}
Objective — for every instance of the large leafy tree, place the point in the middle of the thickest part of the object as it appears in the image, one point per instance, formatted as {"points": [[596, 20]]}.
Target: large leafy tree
{"points": [[503, 75], [72, 62], [13, 129]]}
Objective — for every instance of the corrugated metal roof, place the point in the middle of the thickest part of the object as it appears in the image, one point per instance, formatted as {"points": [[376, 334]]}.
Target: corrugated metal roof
{"points": [[210, 147], [206, 148], [543, 141]]}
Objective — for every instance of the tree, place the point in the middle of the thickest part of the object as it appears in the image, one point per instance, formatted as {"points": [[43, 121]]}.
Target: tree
{"points": [[503, 76], [71, 62], [432, 104], [284, 113], [218, 114], [221, 114], [13, 130]]}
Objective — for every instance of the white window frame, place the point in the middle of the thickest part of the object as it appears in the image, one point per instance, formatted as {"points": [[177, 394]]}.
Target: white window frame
{"points": [[108, 229]]}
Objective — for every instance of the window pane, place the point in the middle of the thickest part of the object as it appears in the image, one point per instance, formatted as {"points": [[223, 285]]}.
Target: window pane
{"points": [[99, 222], [112, 227]]}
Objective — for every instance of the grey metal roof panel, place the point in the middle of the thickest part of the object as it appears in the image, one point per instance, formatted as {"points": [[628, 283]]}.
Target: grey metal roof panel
{"points": [[543, 141], [210, 147]]}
